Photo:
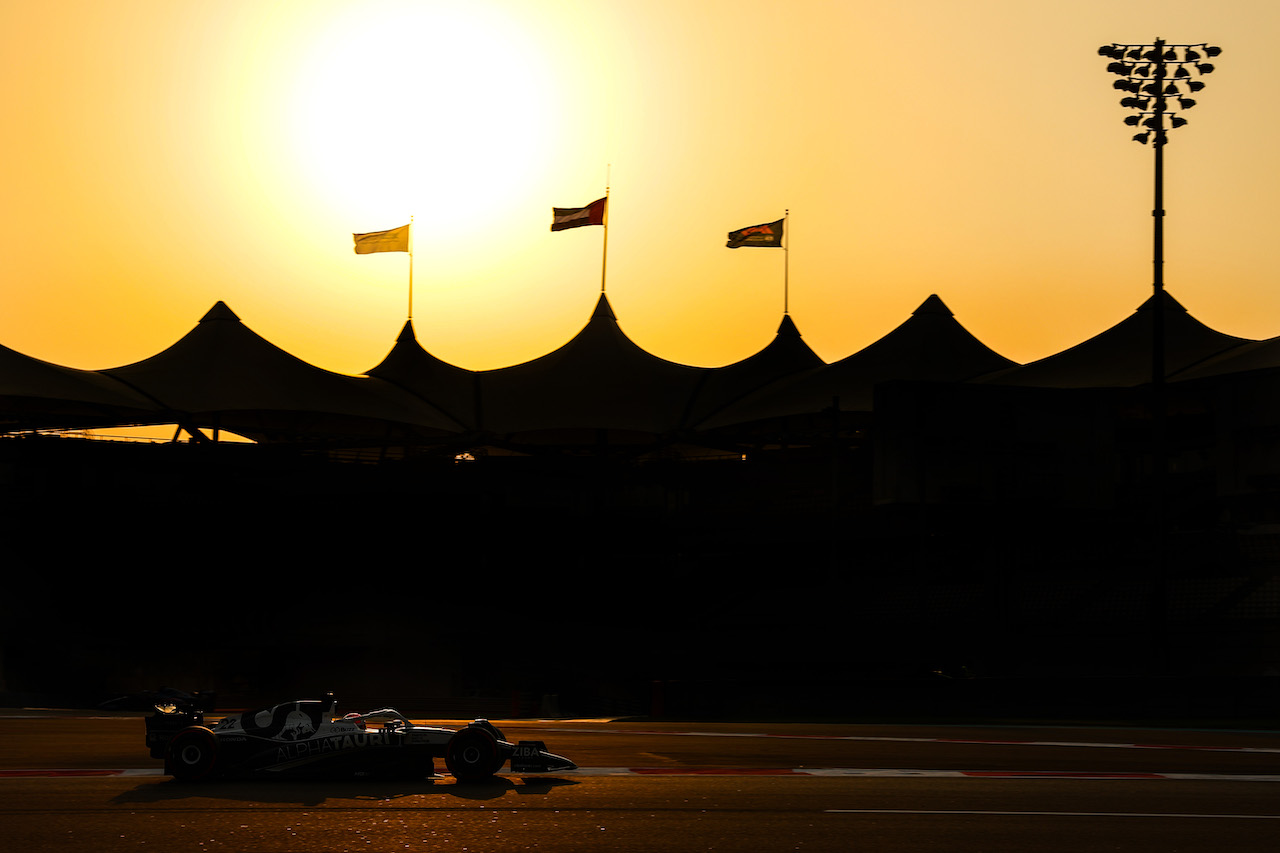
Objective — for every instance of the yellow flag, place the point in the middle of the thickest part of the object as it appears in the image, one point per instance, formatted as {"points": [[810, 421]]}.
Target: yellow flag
{"points": [[395, 240]]}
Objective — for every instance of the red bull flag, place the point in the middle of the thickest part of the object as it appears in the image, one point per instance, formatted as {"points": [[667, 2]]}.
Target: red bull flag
{"points": [[768, 235], [395, 240], [576, 217]]}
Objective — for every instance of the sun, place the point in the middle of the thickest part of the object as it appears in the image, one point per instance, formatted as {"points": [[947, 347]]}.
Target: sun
{"points": [[430, 110]]}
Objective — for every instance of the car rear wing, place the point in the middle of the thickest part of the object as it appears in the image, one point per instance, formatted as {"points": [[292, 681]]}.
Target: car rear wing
{"points": [[166, 722]]}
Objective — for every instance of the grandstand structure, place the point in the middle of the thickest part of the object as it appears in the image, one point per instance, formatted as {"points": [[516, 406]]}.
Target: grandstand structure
{"points": [[920, 407], [1064, 515]]}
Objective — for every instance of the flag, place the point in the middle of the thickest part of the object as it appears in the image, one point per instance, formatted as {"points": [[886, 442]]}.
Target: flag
{"points": [[576, 217], [395, 240], [768, 235]]}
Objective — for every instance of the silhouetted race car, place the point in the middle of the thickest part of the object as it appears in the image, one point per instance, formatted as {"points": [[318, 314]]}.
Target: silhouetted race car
{"points": [[306, 738]]}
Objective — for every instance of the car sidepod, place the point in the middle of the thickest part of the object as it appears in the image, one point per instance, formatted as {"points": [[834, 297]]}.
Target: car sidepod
{"points": [[373, 753]]}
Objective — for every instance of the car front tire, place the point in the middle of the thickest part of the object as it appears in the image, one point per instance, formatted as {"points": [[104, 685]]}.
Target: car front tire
{"points": [[472, 755]]}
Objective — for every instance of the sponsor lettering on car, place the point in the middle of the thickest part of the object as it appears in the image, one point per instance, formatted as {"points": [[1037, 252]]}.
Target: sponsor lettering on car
{"points": [[318, 746]]}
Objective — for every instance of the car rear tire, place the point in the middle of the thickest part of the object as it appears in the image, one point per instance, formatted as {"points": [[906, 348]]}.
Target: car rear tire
{"points": [[472, 755], [193, 754]]}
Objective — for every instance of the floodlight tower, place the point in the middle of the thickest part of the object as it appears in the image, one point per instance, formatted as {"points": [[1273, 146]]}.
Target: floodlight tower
{"points": [[1155, 76]]}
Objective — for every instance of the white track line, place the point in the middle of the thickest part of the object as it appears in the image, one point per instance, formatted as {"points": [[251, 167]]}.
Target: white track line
{"points": [[1157, 815], [938, 740]]}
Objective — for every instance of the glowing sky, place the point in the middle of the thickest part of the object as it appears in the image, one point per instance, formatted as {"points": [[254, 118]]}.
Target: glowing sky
{"points": [[160, 155]]}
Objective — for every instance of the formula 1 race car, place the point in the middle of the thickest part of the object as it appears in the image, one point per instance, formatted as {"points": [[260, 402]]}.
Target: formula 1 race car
{"points": [[306, 738]]}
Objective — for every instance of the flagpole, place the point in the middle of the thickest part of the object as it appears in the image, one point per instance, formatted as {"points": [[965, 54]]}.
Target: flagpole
{"points": [[786, 261], [604, 258], [410, 267]]}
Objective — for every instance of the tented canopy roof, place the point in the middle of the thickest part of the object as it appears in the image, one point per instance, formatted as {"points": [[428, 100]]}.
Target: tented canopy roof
{"points": [[599, 380], [786, 355], [36, 394], [599, 387], [930, 345], [448, 388], [222, 374], [1120, 357], [1248, 357]]}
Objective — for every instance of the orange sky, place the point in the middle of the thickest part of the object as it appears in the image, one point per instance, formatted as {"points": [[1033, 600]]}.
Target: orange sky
{"points": [[160, 155]]}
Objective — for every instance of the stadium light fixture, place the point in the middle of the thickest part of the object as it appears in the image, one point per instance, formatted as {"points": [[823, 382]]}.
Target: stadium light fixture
{"points": [[1157, 77]]}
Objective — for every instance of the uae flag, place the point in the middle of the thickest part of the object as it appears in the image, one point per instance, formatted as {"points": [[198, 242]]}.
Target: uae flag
{"points": [[768, 235], [576, 217], [395, 240]]}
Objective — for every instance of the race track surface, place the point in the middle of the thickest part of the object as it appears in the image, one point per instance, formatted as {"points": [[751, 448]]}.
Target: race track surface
{"points": [[86, 783]]}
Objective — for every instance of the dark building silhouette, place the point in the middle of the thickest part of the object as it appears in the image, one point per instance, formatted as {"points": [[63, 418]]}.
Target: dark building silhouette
{"points": [[921, 506]]}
